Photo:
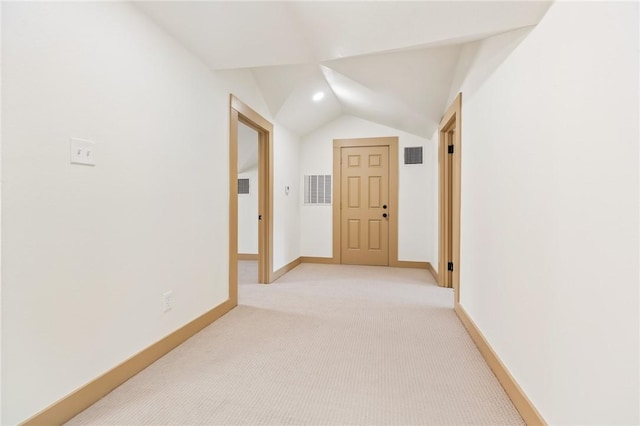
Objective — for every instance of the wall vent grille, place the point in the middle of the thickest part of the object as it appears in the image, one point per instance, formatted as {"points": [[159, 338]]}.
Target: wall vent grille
{"points": [[413, 155], [243, 186], [317, 189]]}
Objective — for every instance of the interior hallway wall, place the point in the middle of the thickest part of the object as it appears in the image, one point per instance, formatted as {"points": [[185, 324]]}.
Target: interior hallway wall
{"points": [[434, 173], [0, 214], [549, 248], [286, 197], [416, 188], [248, 214], [87, 252], [248, 141]]}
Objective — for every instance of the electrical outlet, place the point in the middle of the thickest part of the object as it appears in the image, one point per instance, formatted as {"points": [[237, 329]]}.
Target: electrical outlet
{"points": [[167, 298]]}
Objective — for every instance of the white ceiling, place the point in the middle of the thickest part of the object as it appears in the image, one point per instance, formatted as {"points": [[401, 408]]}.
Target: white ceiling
{"points": [[384, 61]]}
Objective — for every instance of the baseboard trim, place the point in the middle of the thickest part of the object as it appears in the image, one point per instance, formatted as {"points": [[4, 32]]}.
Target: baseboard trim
{"points": [[247, 256], [417, 265], [433, 272], [527, 410], [286, 268], [76, 402], [323, 260], [396, 264], [409, 264]]}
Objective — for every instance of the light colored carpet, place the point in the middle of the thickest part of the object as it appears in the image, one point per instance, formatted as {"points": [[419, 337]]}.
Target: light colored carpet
{"points": [[324, 345], [247, 274]]}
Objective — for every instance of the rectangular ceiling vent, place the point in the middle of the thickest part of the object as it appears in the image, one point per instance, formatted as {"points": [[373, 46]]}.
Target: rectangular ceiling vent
{"points": [[413, 155], [243, 186], [317, 189]]}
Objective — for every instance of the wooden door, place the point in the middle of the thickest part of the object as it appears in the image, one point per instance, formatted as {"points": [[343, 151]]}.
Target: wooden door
{"points": [[364, 190], [240, 112], [450, 189], [448, 195]]}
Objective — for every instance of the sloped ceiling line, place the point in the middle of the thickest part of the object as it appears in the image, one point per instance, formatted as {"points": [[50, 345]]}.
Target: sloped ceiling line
{"points": [[385, 61]]}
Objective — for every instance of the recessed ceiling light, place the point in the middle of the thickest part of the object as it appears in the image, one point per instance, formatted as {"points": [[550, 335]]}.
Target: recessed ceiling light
{"points": [[318, 96]]}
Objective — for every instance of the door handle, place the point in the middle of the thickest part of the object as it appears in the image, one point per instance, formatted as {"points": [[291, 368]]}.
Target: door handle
{"points": [[384, 215], [384, 206]]}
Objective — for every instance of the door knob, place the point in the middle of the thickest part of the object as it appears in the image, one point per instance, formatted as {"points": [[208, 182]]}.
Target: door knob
{"points": [[384, 215], [384, 206]]}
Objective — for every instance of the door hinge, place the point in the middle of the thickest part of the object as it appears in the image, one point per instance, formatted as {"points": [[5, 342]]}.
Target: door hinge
{"points": [[450, 266], [259, 217], [450, 149]]}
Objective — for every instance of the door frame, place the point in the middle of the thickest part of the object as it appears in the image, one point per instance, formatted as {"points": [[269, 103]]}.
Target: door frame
{"points": [[392, 143], [239, 112], [449, 219]]}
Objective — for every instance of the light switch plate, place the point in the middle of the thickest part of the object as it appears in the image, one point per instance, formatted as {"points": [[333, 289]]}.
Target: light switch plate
{"points": [[82, 152], [167, 299]]}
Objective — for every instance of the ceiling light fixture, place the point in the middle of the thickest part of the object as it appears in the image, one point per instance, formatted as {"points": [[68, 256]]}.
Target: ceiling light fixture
{"points": [[318, 96]]}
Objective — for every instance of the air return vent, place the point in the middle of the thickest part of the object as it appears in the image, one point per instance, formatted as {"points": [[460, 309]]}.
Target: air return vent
{"points": [[413, 155], [243, 186], [317, 189]]}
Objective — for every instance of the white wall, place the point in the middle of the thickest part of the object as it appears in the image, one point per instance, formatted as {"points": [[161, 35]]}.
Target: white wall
{"points": [[88, 251], [434, 202], [248, 214], [0, 214], [286, 208], [416, 188], [248, 140], [549, 261]]}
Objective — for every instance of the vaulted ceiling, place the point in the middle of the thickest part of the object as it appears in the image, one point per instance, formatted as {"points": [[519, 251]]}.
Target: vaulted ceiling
{"points": [[388, 62]]}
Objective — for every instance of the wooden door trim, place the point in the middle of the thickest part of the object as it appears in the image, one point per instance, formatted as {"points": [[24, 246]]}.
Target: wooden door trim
{"points": [[525, 407], [392, 143], [451, 119], [242, 113]]}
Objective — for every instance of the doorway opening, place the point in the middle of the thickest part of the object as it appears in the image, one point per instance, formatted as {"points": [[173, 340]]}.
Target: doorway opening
{"points": [[449, 159], [365, 202], [248, 211], [253, 123]]}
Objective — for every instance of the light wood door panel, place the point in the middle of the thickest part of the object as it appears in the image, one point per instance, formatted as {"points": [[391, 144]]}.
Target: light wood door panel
{"points": [[353, 193], [449, 197], [375, 234], [450, 142], [364, 202]]}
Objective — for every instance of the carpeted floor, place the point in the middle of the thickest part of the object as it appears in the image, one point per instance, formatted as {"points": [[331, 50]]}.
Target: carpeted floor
{"points": [[324, 345]]}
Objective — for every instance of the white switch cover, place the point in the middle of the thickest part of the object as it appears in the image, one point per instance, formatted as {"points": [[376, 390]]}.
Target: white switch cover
{"points": [[83, 152], [167, 299]]}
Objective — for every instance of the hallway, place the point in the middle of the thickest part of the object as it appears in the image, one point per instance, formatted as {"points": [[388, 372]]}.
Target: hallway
{"points": [[325, 344]]}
